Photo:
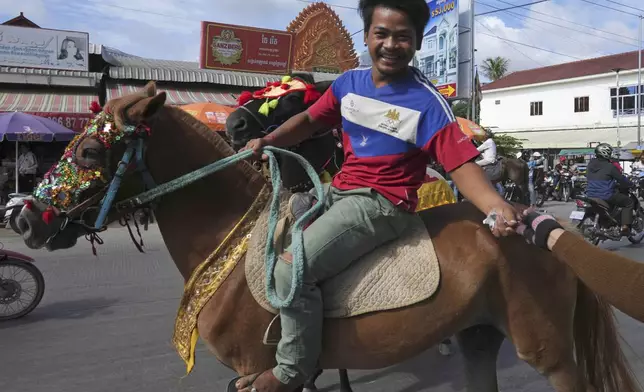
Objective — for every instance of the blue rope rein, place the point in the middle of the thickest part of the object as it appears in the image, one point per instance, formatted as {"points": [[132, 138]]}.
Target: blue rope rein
{"points": [[297, 243]]}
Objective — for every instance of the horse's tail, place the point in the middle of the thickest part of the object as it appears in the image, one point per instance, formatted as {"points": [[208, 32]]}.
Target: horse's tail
{"points": [[599, 355]]}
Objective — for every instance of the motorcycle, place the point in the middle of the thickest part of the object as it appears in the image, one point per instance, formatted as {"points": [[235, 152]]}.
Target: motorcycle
{"points": [[563, 190], [22, 285], [12, 210], [598, 221], [544, 188], [637, 177]]}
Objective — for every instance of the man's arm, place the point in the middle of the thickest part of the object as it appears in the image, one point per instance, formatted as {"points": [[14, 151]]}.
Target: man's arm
{"points": [[325, 112], [619, 177], [474, 185]]}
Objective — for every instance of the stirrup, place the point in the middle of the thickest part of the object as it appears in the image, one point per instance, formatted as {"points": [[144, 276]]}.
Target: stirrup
{"points": [[272, 339]]}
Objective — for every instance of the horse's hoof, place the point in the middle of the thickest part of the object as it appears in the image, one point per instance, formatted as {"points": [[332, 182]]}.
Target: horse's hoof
{"points": [[445, 349], [231, 385]]}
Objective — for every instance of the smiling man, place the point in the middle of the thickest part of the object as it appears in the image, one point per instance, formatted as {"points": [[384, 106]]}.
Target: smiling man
{"points": [[394, 122]]}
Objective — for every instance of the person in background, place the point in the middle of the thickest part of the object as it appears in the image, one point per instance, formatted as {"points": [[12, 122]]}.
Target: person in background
{"points": [[489, 163], [534, 164], [27, 167], [615, 161], [605, 181], [638, 166]]}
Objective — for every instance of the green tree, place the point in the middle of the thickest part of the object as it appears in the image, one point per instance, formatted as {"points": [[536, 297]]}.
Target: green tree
{"points": [[494, 68], [507, 146], [460, 108]]}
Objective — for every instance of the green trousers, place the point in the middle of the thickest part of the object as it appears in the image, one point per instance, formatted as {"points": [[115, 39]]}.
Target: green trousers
{"points": [[354, 223]]}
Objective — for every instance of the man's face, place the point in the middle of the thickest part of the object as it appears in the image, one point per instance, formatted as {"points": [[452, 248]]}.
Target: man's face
{"points": [[391, 40]]}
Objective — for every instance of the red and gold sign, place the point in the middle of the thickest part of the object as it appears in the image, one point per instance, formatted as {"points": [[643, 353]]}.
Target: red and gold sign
{"points": [[246, 49], [74, 121]]}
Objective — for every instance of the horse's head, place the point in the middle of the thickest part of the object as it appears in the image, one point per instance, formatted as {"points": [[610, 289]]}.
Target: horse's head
{"points": [[261, 112], [66, 204]]}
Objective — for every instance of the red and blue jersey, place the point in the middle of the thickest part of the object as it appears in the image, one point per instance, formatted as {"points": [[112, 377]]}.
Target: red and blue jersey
{"points": [[391, 132]]}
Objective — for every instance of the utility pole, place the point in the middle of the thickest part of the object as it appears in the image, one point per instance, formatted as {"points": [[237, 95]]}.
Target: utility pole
{"points": [[638, 97], [616, 70], [473, 97]]}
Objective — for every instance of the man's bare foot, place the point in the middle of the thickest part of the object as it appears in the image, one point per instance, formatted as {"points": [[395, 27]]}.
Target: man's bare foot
{"points": [[264, 382]]}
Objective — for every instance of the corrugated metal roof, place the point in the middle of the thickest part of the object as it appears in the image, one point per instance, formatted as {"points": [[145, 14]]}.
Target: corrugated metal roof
{"points": [[51, 72], [125, 66], [46, 101], [95, 48]]}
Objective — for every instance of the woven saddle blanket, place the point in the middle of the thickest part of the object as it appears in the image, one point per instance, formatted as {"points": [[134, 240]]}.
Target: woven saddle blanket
{"points": [[395, 275]]}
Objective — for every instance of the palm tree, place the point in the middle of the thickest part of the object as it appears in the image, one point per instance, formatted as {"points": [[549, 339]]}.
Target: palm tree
{"points": [[494, 68]]}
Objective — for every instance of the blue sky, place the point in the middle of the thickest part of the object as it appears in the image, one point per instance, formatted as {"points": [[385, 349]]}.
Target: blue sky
{"points": [[170, 29]]}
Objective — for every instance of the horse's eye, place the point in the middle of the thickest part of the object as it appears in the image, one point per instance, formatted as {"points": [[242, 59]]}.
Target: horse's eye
{"points": [[91, 153]]}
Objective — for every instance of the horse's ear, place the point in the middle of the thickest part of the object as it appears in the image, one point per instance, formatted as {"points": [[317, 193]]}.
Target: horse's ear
{"points": [[323, 86], [153, 105], [150, 89]]}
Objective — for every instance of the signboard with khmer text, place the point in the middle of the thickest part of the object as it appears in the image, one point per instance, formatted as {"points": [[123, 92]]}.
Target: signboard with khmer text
{"points": [[44, 48], [246, 49], [438, 57]]}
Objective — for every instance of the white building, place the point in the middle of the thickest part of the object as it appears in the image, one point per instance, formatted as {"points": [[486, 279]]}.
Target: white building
{"points": [[572, 105], [438, 56]]}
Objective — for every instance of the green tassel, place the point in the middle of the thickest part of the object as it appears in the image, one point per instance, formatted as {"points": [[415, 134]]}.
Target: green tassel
{"points": [[286, 79], [273, 104], [264, 109]]}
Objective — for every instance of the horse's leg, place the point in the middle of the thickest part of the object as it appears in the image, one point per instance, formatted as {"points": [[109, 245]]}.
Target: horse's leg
{"points": [[480, 346], [345, 385]]}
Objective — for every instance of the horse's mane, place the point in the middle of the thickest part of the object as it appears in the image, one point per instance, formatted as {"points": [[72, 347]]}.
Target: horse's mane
{"points": [[212, 137]]}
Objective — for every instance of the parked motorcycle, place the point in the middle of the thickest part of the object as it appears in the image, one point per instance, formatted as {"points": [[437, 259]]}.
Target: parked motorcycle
{"points": [[637, 178], [579, 185], [12, 210], [544, 188], [598, 221], [563, 190], [21, 285]]}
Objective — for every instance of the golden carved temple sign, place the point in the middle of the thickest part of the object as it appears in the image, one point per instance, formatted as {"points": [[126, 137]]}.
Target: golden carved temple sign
{"points": [[321, 43]]}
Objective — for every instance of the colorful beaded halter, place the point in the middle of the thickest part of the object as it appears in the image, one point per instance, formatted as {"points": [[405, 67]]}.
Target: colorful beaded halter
{"points": [[64, 183]]}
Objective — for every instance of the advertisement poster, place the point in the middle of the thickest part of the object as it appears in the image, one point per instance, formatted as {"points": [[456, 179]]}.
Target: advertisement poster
{"points": [[246, 49], [438, 57], [44, 48]]}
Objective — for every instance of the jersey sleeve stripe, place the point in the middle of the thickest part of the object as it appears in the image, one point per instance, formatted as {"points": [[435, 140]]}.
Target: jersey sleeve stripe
{"points": [[420, 78]]}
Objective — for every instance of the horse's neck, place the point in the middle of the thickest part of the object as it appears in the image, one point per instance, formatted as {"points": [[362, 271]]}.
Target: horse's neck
{"points": [[194, 220]]}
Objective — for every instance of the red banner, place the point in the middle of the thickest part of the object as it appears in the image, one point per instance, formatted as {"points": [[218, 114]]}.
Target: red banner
{"points": [[246, 49], [74, 121]]}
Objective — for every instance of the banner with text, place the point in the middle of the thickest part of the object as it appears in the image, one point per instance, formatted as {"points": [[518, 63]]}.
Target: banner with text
{"points": [[74, 121], [44, 48], [438, 58], [246, 49]]}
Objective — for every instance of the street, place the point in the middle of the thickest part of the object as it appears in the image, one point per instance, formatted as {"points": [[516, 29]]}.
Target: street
{"points": [[105, 325]]}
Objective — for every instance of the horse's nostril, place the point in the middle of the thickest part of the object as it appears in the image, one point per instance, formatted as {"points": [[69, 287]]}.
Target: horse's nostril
{"points": [[240, 124], [23, 224]]}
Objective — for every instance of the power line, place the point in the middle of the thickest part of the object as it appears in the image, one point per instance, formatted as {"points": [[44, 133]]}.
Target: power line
{"points": [[532, 46], [628, 6], [509, 44], [518, 17], [558, 25], [572, 23], [610, 8], [511, 8]]}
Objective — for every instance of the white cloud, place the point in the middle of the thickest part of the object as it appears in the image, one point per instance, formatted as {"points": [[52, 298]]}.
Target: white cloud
{"points": [[583, 43]]}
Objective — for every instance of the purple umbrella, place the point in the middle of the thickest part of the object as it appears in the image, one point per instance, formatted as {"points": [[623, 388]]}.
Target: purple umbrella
{"points": [[22, 127]]}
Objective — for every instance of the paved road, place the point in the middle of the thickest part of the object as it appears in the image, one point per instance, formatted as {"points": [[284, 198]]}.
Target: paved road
{"points": [[105, 325]]}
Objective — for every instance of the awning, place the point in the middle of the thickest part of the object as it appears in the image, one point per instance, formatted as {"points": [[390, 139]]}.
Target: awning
{"points": [[71, 110], [576, 151], [573, 138], [178, 95], [52, 101]]}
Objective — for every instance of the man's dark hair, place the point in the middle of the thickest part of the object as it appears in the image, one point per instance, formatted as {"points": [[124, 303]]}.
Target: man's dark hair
{"points": [[417, 11]]}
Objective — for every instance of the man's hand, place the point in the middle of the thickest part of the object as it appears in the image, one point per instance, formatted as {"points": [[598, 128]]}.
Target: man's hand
{"points": [[256, 145], [507, 219], [474, 185]]}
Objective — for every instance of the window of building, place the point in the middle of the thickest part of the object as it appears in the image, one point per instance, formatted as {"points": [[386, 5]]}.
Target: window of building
{"points": [[536, 108], [582, 104], [497, 102], [627, 98]]}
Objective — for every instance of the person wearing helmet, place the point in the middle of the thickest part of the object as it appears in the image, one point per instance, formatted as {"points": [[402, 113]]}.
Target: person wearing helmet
{"points": [[605, 181], [535, 164], [615, 161]]}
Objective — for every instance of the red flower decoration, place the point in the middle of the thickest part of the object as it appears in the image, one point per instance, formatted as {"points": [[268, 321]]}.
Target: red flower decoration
{"points": [[95, 108], [48, 216], [286, 86], [244, 98]]}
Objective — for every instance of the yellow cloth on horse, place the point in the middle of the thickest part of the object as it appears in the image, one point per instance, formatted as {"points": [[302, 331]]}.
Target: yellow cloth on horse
{"points": [[325, 177], [434, 194]]}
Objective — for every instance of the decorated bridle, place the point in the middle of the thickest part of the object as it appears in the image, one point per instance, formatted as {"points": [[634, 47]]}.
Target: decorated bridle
{"points": [[64, 183]]}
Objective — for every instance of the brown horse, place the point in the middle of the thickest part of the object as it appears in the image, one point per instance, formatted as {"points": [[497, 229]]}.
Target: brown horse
{"points": [[490, 288]]}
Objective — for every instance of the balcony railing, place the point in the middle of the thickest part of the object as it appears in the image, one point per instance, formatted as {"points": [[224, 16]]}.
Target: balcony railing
{"points": [[626, 112]]}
